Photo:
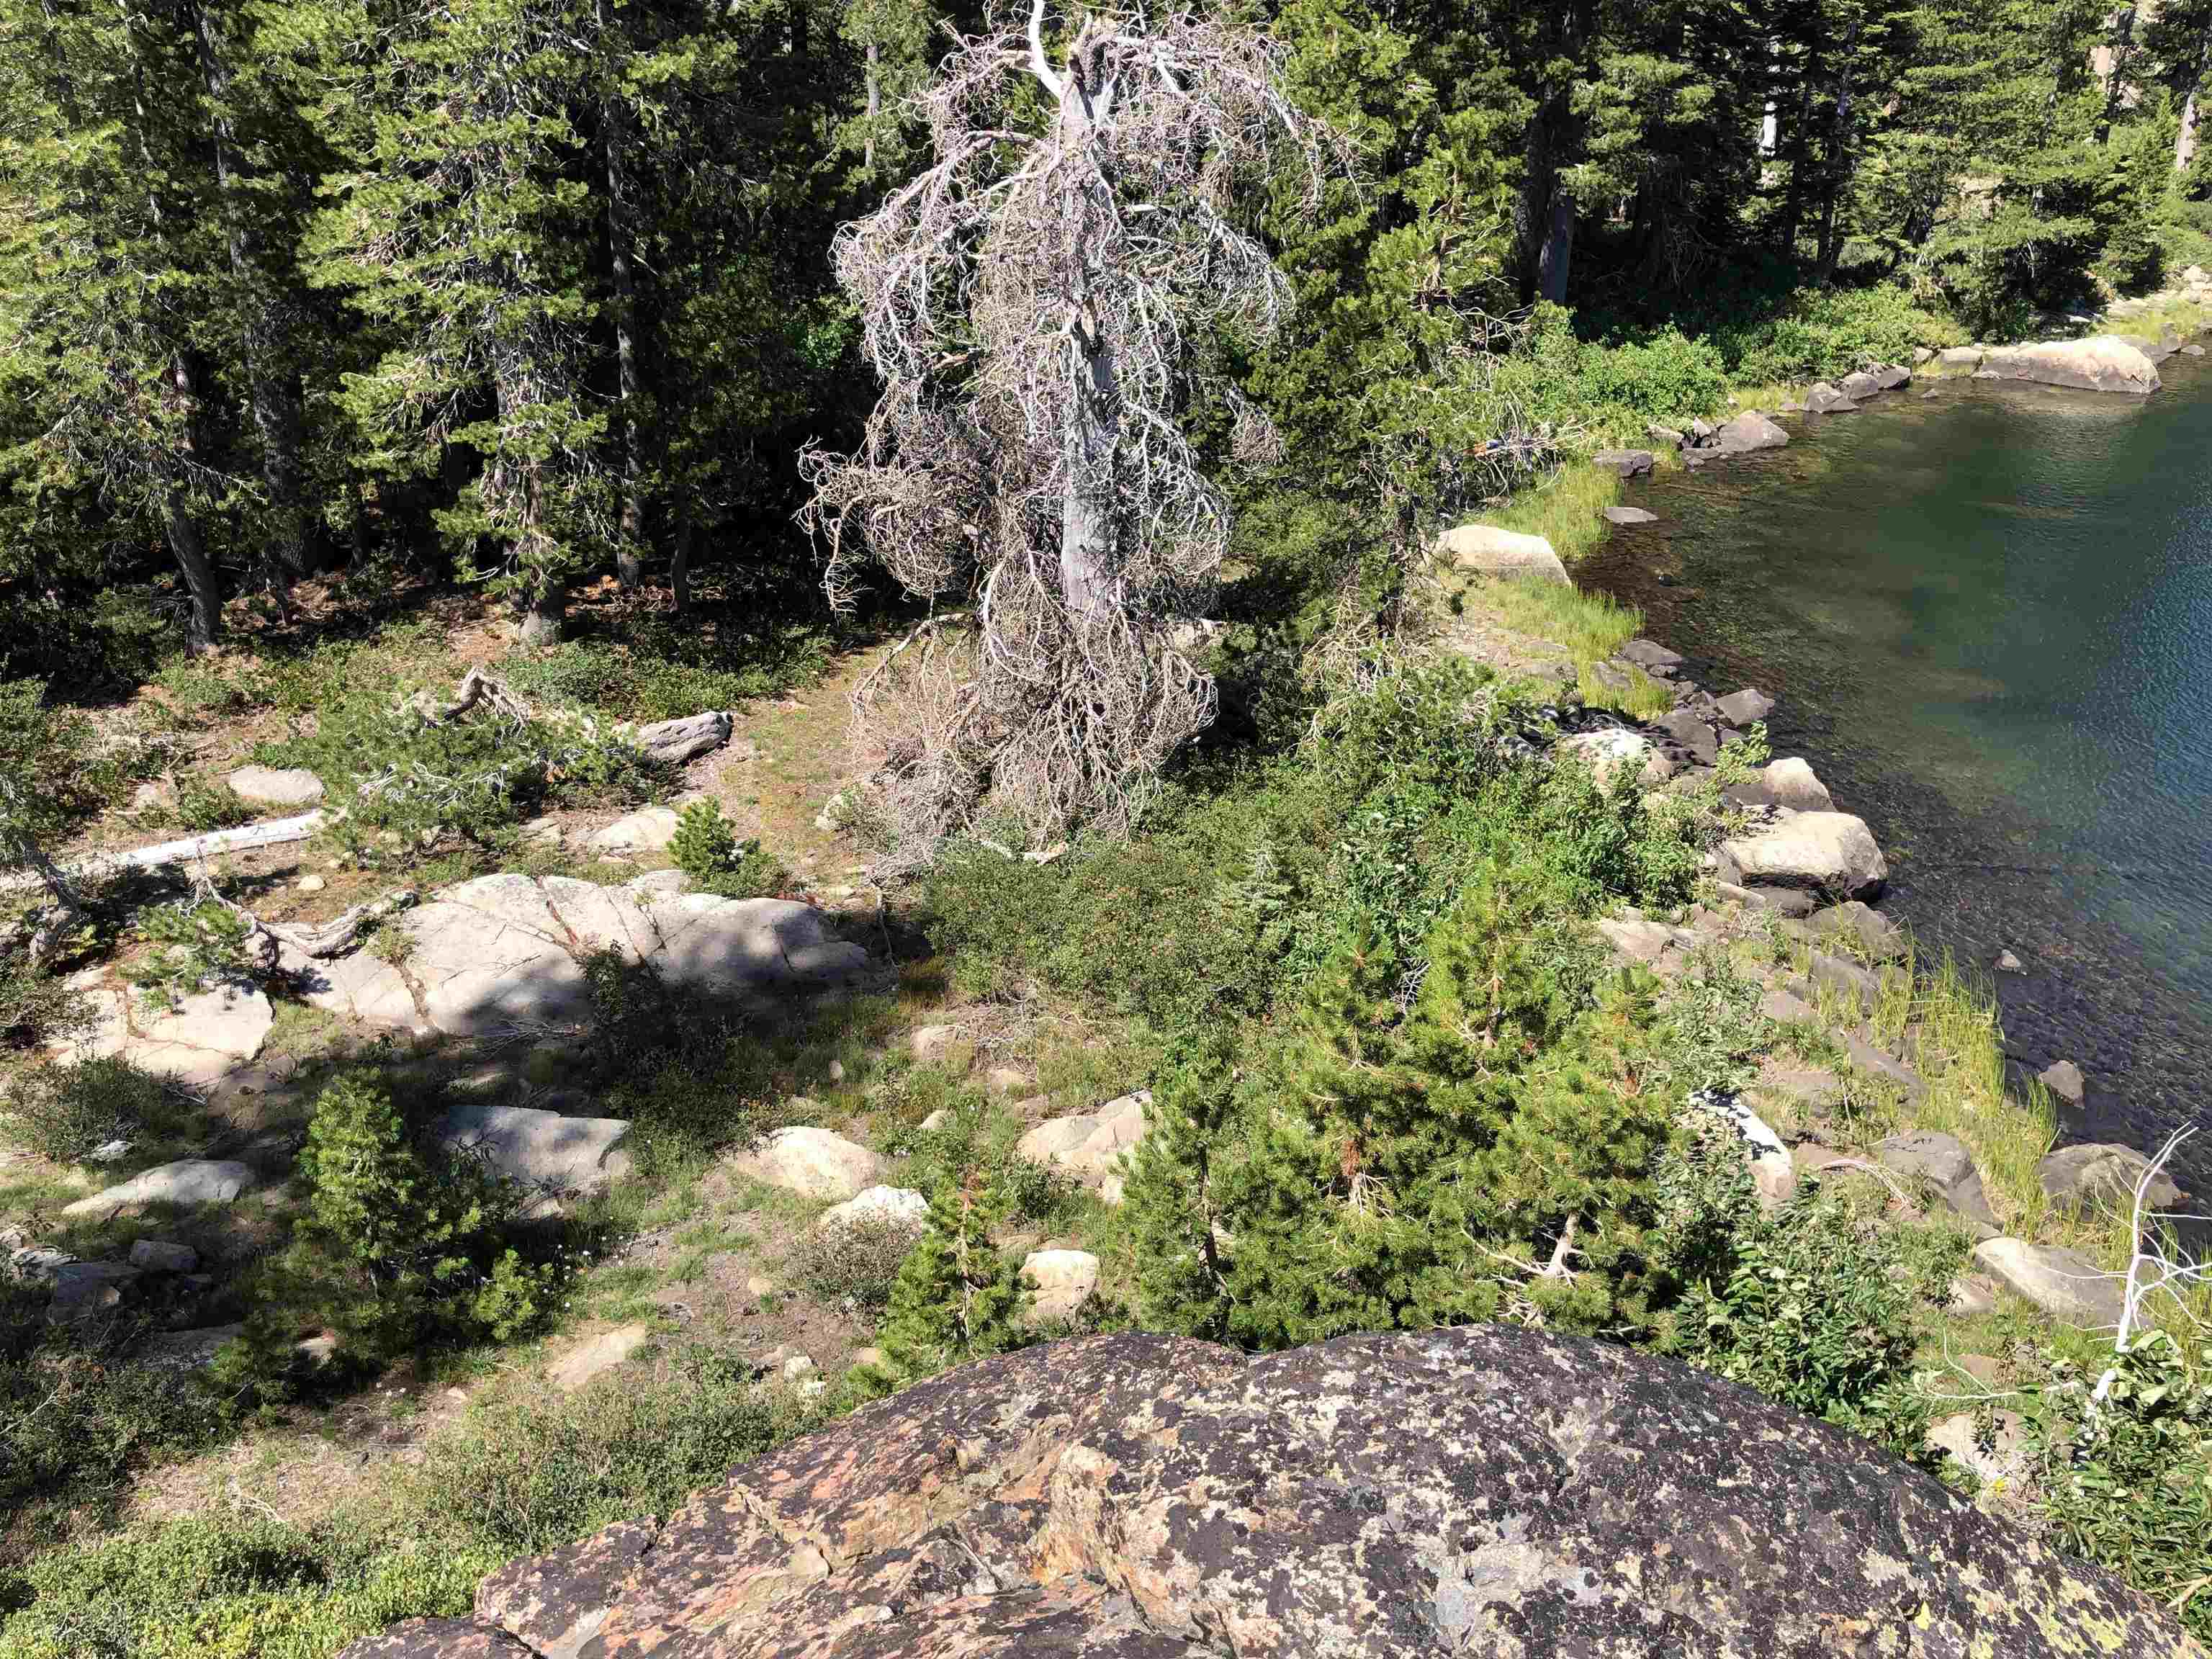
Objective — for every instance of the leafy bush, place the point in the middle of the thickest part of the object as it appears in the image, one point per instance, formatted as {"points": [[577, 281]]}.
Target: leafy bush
{"points": [[75, 1421], [201, 806], [64, 1112], [1812, 1312], [36, 1007], [706, 848], [2128, 1483]]}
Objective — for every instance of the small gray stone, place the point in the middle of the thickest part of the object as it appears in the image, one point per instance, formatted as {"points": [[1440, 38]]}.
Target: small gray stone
{"points": [[1945, 1164], [2064, 1078], [1872, 1061], [1878, 938], [1846, 979], [161, 1255], [1064, 1280], [1627, 463], [1628, 515], [2009, 963], [1745, 707], [2063, 1283]]}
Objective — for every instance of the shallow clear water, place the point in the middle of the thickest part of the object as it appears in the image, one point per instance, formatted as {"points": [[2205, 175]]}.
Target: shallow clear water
{"points": [[1988, 616]]}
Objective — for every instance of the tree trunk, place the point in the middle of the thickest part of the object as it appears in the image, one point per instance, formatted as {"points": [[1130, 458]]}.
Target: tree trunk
{"points": [[173, 482], [2185, 142], [273, 392], [875, 106], [182, 527], [1836, 174], [1086, 527], [2122, 43], [629, 567], [545, 608], [679, 564], [1556, 257]]}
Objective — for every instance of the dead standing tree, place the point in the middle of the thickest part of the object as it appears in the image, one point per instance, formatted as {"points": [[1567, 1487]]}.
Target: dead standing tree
{"points": [[1040, 305]]}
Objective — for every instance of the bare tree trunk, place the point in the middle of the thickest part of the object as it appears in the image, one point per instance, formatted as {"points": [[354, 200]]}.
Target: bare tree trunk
{"points": [[2123, 45], [1836, 174], [2185, 142], [275, 394], [1086, 526], [875, 105], [629, 567], [679, 564], [1555, 260], [183, 528], [174, 482]]}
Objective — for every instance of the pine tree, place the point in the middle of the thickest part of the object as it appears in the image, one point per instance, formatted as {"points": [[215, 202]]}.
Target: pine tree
{"points": [[1173, 1203], [956, 1298]]}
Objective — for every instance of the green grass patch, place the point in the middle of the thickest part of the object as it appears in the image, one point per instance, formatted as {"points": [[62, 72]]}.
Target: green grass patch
{"points": [[1567, 509]]}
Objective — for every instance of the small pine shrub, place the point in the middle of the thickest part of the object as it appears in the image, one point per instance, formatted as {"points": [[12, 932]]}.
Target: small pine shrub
{"points": [[196, 942], [706, 849], [957, 1298], [201, 806], [397, 1246]]}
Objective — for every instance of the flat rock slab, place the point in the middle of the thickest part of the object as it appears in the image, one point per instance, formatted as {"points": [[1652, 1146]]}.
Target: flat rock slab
{"points": [[594, 1356], [811, 1162], [187, 1351], [2104, 363], [2064, 1283], [268, 786], [1628, 515], [882, 1206], [1832, 852], [2103, 1174], [1626, 463], [507, 950], [558, 1156], [648, 830], [1088, 1145], [1478, 1491], [198, 1041], [190, 1182], [1941, 1164]]}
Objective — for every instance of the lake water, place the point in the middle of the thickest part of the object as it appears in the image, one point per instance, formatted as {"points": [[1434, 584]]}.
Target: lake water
{"points": [[1988, 616]]}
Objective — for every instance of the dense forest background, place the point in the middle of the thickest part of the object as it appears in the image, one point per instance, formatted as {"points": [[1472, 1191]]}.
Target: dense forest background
{"points": [[540, 291]]}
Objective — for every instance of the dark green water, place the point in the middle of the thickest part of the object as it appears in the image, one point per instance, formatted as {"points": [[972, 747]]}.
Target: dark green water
{"points": [[1988, 616]]}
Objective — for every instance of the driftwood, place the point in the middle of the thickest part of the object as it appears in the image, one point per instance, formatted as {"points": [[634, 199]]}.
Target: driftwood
{"points": [[275, 833], [335, 937], [674, 742]]}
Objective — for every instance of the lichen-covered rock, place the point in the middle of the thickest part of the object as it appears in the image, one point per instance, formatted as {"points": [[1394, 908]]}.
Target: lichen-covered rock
{"points": [[2103, 1174], [1483, 1490]]}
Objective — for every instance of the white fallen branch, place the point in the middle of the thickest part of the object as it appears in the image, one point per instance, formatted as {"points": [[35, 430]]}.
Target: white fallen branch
{"points": [[2152, 1270], [276, 832]]}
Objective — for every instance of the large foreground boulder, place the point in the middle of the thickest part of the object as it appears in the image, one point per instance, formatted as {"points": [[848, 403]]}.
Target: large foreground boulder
{"points": [[1485, 1491], [2104, 363]]}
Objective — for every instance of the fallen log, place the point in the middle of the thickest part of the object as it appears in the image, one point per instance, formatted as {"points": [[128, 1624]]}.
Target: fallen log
{"points": [[674, 742], [275, 833], [338, 936]]}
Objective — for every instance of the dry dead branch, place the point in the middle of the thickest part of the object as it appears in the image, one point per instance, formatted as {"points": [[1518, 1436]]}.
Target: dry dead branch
{"points": [[1039, 304]]}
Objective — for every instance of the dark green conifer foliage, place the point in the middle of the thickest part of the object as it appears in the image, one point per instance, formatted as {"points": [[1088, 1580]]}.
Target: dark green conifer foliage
{"points": [[957, 1298]]}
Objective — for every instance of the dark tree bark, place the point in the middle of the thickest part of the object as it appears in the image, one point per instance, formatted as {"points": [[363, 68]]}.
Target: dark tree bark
{"points": [[274, 391], [629, 567]]}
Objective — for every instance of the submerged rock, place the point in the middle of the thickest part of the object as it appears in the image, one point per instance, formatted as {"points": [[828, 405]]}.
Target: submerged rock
{"points": [[2064, 1078], [1478, 1491]]}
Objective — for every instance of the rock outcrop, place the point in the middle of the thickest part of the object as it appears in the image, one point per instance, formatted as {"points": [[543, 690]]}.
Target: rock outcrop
{"points": [[2104, 363], [1480, 1490]]}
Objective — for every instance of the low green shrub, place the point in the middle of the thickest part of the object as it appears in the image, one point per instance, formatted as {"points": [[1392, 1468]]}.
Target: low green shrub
{"points": [[64, 1112], [397, 1247], [706, 849], [202, 805], [957, 1298], [2127, 1481], [195, 942]]}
